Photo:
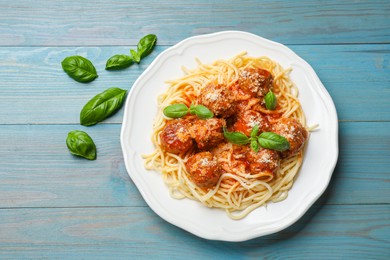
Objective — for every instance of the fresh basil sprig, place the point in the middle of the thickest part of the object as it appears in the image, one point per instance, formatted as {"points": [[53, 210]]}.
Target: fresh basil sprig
{"points": [[235, 137], [102, 106], [273, 141], [201, 111], [135, 55], [118, 62], [255, 146], [270, 100], [268, 140], [175, 111], [144, 47], [79, 69], [180, 110], [255, 131], [81, 144]]}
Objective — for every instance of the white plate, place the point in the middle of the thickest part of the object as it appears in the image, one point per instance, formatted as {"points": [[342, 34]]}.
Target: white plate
{"points": [[320, 155]]}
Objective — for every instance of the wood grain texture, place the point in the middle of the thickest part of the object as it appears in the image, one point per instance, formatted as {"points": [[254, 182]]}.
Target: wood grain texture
{"points": [[38, 171], [343, 232], [120, 22], [34, 85], [57, 206]]}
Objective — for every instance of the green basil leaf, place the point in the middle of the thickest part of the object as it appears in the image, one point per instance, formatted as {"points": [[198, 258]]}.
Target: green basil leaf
{"points": [[270, 100], [201, 111], [79, 69], [118, 62], [81, 144], [255, 131], [255, 145], [175, 111], [135, 55], [273, 141], [102, 106], [146, 45], [235, 137]]}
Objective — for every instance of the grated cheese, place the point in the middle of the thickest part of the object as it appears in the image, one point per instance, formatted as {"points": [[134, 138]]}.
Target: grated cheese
{"points": [[212, 96]]}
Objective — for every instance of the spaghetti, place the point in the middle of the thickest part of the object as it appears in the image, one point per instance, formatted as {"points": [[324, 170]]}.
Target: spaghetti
{"points": [[242, 185]]}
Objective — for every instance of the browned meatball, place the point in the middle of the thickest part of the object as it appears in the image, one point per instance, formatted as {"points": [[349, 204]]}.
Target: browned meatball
{"points": [[264, 161], [238, 93], [208, 133], [294, 132], [248, 119], [217, 98], [203, 169], [231, 158], [175, 137], [255, 81], [249, 104]]}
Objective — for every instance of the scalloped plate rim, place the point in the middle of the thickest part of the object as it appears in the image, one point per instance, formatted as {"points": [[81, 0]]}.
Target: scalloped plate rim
{"points": [[225, 234]]}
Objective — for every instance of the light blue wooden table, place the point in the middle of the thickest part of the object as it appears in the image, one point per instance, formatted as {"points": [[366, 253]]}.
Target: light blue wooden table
{"points": [[53, 205]]}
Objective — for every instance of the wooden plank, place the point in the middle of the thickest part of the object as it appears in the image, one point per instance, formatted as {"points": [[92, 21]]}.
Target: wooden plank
{"points": [[38, 171], [356, 76], [40, 92], [353, 232], [35, 90], [53, 205], [74, 23], [363, 164]]}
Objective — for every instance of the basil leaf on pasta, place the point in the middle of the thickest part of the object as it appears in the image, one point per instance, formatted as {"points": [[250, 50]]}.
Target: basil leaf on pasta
{"points": [[255, 146], [201, 111], [273, 141], [175, 111], [255, 131], [235, 137], [270, 101]]}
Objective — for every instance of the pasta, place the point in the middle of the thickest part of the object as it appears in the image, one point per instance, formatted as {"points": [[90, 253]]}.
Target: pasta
{"points": [[238, 190]]}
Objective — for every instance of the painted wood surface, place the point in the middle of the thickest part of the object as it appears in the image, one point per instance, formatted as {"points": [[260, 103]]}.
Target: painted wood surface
{"points": [[327, 232], [56, 206], [38, 171], [353, 86], [122, 22]]}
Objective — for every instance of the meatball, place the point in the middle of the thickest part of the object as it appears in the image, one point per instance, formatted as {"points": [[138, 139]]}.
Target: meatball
{"points": [[264, 161], [175, 137], [231, 158], [249, 104], [217, 98], [248, 119], [294, 132], [255, 81], [203, 169], [238, 93], [208, 133]]}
